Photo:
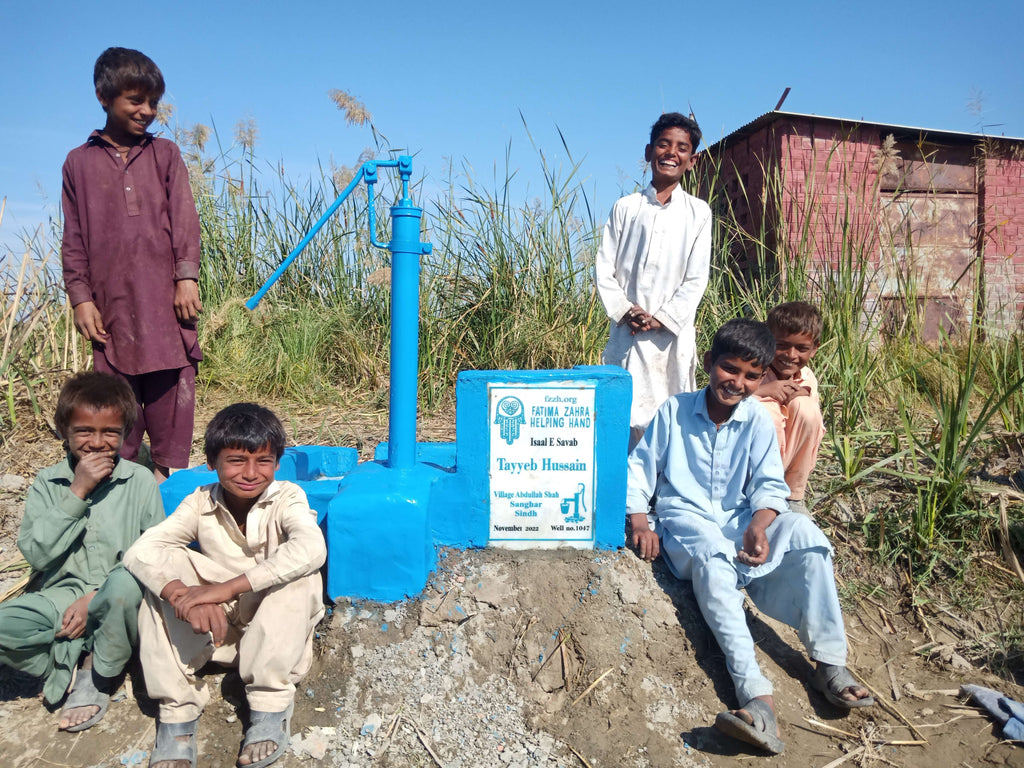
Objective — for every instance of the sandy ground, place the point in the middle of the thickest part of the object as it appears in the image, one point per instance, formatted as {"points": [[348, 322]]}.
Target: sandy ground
{"points": [[559, 659]]}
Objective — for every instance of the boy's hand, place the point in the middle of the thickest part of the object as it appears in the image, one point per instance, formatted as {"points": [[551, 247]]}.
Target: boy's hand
{"points": [[75, 617], [187, 305], [209, 618], [90, 471], [782, 391], [89, 322], [755, 541], [640, 320], [207, 594], [645, 541]]}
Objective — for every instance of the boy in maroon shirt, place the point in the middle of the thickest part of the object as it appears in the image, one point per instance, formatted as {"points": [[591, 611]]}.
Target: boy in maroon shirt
{"points": [[131, 257]]}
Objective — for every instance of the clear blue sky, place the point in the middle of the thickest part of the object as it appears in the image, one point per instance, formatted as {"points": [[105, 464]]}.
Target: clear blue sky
{"points": [[447, 79]]}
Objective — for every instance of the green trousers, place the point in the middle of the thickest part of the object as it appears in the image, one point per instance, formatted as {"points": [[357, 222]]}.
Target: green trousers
{"points": [[29, 624]]}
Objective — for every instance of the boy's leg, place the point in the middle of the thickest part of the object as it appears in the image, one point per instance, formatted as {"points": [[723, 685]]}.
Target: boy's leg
{"points": [[801, 592], [132, 441], [275, 652], [113, 622], [276, 647], [721, 603], [171, 653], [28, 625], [169, 404], [804, 431]]}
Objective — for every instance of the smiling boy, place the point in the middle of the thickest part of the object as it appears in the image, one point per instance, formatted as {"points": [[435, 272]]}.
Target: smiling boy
{"points": [[250, 598], [130, 254], [651, 272], [80, 516], [710, 461], [789, 391]]}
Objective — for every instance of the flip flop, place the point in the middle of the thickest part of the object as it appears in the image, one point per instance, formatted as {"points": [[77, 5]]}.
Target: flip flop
{"points": [[832, 680], [170, 747], [86, 694], [762, 734], [268, 726]]}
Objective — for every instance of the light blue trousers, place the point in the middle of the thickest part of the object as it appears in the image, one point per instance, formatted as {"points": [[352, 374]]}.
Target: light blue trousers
{"points": [[800, 592]]}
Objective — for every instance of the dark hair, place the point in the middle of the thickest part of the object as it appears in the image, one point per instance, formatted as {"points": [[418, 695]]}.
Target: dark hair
{"points": [[94, 391], [796, 317], [123, 69], [746, 339], [676, 120], [243, 425]]}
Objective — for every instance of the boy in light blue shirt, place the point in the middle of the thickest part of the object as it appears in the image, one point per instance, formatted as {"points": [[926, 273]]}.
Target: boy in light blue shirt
{"points": [[710, 461]]}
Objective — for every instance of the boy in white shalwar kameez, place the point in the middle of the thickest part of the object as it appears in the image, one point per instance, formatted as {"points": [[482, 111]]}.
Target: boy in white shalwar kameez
{"points": [[652, 269], [710, 461]]}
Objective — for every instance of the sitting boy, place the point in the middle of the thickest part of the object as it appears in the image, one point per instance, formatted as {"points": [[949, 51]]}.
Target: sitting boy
{"points": [[789, 390], [80, 517], [711, 461], [250, 599]]}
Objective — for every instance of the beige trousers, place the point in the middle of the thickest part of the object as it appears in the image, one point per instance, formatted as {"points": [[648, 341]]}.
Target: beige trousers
{"points": [[269, 640]]}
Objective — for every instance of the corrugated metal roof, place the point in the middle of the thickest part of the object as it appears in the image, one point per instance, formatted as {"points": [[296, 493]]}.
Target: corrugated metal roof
{"points": [[933, 133]]}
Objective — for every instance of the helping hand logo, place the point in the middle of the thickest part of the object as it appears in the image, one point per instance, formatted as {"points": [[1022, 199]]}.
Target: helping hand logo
{"points": [[510, 415]]}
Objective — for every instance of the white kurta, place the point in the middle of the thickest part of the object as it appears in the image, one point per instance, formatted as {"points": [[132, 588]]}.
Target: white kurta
{"points": [[657, 256]]}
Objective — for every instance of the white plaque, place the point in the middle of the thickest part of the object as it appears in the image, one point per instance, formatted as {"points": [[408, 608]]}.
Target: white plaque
{"points": [[541, 471]]}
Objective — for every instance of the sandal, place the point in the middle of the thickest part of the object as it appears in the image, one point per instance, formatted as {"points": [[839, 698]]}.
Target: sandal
{"points": [[268, 726], [86, 694], [170, 746], [761, 734], [832, 680]]}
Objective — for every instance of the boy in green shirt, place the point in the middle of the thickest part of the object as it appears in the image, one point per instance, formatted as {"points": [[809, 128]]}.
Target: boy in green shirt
{"points": [[81, 515]]}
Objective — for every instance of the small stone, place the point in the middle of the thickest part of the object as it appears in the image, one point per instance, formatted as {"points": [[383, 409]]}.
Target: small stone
{"points": [[927, 712], [357, 651], [371, 725], [231, 718]]}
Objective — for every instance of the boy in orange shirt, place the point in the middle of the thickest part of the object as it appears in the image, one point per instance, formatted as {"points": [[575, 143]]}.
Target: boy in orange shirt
{"points": [[789, 391]]}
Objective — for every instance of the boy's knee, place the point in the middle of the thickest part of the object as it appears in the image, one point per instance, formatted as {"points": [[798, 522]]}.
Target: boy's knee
{"points": [[120, 593], [804, 410]]}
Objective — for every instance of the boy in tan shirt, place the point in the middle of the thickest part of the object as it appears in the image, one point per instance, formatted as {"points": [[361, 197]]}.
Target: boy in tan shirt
{"points": [[251, 598]]}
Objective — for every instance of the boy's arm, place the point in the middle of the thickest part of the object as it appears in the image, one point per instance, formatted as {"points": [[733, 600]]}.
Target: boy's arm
{"points": [[614, 298], [53, 524], [301, 553], [75, 262], [766, 485], [646, 463], [681, 308], [185, 237], [148, 559]]}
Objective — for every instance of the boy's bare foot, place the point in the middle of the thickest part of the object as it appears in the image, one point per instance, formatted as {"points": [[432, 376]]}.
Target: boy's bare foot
{"points": [[85, 705]]}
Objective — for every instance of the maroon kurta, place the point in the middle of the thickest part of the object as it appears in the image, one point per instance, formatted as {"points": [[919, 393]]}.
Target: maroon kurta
{"points": [[130, 231]]}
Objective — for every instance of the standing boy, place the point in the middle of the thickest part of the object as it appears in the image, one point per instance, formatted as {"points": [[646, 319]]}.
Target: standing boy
{"points": [[251, 597], [789, 390], [652, 270], [80, 517], [131, 257], [711, 461]]}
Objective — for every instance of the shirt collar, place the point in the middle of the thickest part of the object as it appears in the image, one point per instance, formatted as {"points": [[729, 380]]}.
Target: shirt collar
{"points": [[265, 498], [652, 195], [740, 413], [96, 138]]}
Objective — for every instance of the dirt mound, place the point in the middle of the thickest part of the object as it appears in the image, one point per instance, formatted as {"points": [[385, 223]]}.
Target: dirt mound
{"points": [[552, 659]]}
